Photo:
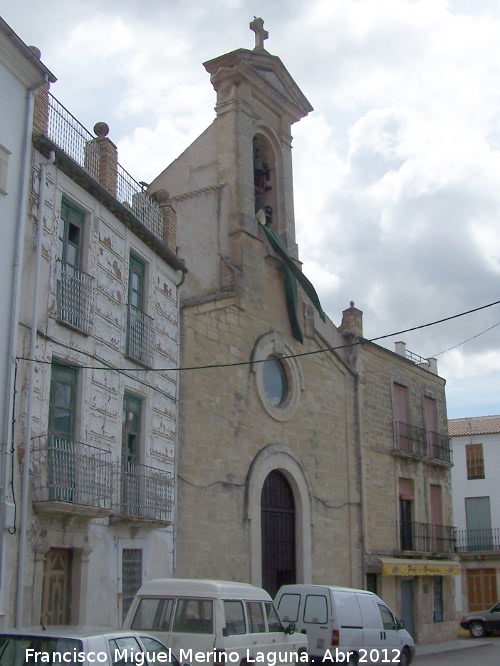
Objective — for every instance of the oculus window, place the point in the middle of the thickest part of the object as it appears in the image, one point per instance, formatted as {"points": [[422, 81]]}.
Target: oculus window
{"points": [[275, 381], [278, 376]]}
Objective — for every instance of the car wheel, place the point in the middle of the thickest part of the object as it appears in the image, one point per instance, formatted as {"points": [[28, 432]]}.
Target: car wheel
{"points": [[404, 659], [353, 659], [477, 629]]}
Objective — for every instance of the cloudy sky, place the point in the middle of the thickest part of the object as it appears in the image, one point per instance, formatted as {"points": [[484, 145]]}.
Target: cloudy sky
{"points": [[397, 170]]}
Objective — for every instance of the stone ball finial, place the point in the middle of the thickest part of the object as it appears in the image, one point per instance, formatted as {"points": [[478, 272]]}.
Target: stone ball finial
{"points": [[101, 130], [351, 304], [35, 51], [161, 196]]}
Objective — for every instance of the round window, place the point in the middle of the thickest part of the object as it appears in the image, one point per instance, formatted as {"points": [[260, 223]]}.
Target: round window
{"points": [[275, 381], [278, 376]]}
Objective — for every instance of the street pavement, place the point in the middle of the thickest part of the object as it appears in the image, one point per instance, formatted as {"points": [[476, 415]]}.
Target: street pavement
{"points": [[465, 643]]}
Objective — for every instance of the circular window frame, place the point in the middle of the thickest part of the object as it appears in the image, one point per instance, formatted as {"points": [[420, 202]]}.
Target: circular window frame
{"points": [[274, 345]]}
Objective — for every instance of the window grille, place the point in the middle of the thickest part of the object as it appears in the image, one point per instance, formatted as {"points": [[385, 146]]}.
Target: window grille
{"points": [[438, 614], [131, 576]]}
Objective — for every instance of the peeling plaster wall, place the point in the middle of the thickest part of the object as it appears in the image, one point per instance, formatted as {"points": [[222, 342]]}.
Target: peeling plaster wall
{"points": [[102, 381]]}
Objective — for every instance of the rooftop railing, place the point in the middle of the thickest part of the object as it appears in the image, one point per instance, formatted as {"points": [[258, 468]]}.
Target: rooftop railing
{"points": [[66, 132]]}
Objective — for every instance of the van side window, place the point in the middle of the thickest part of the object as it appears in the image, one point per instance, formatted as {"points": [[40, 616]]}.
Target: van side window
{"points": [[194, 616], [153, 614], [288, 607], [256, 616], [387, 618], [315, 609], [235, 618], [273, 621]]}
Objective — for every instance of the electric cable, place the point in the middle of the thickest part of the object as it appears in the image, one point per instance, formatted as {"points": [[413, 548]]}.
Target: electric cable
{"points": [[284, 357]]}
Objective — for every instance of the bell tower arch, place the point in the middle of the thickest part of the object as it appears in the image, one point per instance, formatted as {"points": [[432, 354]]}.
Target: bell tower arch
{"points": [[257, 103]]}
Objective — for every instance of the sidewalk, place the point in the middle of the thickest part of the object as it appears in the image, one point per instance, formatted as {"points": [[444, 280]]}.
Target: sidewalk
{"points": [[449, 646]]}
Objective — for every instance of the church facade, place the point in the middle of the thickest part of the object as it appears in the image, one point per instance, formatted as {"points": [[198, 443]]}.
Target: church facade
{"points": [[268, 475], [276, 480]]}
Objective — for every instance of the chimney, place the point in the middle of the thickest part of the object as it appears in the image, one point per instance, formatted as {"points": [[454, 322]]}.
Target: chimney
{"points": [[433, 365], [101, 159], [352, 321], [400, 348], [41, 106], [169, 219]]}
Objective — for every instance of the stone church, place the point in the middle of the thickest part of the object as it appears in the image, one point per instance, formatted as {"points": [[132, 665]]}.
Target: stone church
{"points": [[306, 453], [268, 476]]}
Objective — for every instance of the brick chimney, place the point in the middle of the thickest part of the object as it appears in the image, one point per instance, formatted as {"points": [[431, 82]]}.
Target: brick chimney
{"points": [[41, 106], [352, 321], [169, 219], [101, 159]]}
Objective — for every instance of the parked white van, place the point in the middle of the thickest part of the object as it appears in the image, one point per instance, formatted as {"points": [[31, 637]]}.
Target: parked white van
{"points": [[345, 625], [215, 622]]}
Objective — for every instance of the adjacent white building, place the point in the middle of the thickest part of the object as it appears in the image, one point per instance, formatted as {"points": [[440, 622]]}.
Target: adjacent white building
{"points": [[90, 490], [21, 74], [476, 509]]}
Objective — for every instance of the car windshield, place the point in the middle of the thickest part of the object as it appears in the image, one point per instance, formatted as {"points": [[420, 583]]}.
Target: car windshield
{"points": [[21, 650]]}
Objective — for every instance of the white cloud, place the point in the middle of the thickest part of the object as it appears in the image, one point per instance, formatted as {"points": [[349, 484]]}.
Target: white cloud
{"points": [[396, 171]]}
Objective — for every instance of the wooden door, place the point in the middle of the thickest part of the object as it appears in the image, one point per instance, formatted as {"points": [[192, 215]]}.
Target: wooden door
{"points": [[278, 533], [56, 593], [481, 589]]}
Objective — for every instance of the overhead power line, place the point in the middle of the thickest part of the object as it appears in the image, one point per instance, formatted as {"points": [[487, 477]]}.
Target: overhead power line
{"points": [[468, 340], [298, 355]]}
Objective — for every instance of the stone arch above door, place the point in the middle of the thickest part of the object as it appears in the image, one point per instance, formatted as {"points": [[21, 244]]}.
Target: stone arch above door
{"points": [[285, 460]]}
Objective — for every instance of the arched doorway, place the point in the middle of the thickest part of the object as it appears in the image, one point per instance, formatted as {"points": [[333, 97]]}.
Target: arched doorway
{"points": [[278, 532]]}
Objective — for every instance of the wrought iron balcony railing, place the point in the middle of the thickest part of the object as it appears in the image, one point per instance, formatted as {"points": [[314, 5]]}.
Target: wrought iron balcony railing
{"points": [[439, 447], [75, 297], [478, 539], [68, 471], [420, 442], [143, 492], [140, 336], [427, 537], [410, 439], [79, 144]]}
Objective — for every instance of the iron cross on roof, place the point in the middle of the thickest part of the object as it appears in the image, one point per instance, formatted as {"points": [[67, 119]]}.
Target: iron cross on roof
{"points": [[257, 25]]}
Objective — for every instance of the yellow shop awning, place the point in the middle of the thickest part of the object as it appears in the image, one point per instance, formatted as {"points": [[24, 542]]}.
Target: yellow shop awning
{"points": [[400, 567]]}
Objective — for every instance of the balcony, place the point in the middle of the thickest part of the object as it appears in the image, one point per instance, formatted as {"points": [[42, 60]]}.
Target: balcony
{"points": [[75, 297], [140, 336], [70, 477], [439, 447], [143, 493], [427, 537], [478, 539], [417, 442], [410, 439]]}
